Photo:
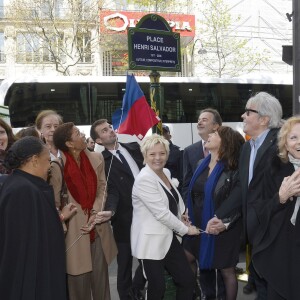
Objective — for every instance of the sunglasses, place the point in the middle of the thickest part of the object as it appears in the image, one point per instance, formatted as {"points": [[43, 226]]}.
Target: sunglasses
{"points": [[248, 110]]}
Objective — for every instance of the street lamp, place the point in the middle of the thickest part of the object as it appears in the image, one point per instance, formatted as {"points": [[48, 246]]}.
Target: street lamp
{"points": [[200, 51]]}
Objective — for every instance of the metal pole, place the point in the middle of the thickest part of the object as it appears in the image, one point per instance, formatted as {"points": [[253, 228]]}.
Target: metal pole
{"points": [[157, 102], [296, 58]]}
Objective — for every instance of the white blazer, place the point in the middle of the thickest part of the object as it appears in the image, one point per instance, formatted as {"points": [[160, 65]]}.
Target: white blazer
{"points": [[152, 221]]}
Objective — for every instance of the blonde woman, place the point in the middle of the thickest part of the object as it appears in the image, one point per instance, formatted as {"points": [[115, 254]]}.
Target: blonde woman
{"points": [[276, 256], [157, 212]]}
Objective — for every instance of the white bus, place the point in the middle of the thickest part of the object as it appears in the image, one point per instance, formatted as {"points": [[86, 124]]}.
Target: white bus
{"points": [[83, 100]]}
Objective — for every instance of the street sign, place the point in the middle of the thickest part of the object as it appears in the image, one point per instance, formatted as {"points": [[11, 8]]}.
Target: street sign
{"points": [[153, 46]]}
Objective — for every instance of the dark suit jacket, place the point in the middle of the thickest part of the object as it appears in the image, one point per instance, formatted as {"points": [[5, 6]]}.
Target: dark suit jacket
{"points": [[248, 198], [191, 157], [276, 255], [174, 164], [120, 182]]}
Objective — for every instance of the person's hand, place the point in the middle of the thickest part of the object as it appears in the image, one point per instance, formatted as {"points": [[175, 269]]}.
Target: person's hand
{"points": [[215, 226], [90, 224], [185, 219], [290, 187], [68, 211], [103, 216], [193, 230]]}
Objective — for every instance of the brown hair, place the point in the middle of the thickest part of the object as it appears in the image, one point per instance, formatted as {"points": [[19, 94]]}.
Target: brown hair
{"points": [[29, 131], [10, 136], [231, 143], [62, 134], [93, 132]]}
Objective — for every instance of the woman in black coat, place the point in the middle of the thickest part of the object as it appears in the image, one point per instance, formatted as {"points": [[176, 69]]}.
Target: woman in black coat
{"points": [[276, 255], [32, 251], [209, 188]]}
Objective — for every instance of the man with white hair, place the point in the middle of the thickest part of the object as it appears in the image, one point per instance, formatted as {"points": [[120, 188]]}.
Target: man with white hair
{"points": [[261, 119]]}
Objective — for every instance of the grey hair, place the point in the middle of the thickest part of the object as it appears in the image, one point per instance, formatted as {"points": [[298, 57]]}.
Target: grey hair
{"points": [[269, 106]]}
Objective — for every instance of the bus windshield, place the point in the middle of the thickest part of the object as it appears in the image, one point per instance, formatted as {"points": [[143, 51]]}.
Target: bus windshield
{"points": [[83, 100]]}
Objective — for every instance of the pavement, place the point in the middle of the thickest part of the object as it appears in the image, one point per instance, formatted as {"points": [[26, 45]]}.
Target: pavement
{"points": [[241, 283]]}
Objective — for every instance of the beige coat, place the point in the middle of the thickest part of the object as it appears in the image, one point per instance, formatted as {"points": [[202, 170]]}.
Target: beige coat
{"points": [[79, 254]]}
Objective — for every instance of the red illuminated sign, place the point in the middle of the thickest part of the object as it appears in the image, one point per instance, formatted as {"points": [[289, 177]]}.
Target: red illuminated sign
{"points": [[118, 22]]}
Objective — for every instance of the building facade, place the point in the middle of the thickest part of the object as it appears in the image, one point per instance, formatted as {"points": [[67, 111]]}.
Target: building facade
{"points": [[99, 33]]}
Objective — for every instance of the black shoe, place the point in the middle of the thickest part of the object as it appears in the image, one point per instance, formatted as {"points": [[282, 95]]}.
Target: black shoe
{"points": [[249, 288]]}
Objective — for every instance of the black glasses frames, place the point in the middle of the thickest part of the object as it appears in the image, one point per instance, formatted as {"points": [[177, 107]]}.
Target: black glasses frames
{"points": [[248, 110]]}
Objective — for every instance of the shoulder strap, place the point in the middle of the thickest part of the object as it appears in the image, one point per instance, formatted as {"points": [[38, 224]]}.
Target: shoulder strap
{"points": [[63, 190]]}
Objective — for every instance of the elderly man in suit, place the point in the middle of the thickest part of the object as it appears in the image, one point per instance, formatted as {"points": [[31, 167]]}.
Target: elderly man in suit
{"points": [[209, 121], [261, 119], [122, 164]]}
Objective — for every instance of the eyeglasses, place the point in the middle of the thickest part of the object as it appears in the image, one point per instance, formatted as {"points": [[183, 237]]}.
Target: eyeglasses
{"points": [[248, 110]]}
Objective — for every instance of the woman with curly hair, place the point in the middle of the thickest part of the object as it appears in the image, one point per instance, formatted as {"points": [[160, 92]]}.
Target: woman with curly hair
{"points": [[90, 248]]}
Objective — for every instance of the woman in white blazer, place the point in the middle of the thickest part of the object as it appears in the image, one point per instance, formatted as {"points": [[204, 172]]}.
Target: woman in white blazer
{"points": [[157, 210]]}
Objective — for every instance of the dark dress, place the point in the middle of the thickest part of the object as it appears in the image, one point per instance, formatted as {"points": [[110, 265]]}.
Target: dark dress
{"points": [[227, 243], [276, 255], [32, 251]]}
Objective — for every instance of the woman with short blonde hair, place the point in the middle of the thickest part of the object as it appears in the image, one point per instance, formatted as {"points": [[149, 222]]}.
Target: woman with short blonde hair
{"points": [[157, 222]]}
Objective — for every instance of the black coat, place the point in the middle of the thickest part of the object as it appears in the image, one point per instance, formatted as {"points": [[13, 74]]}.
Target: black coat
{"points": [[248, 197], [174, 163], [276, 255], [120, 183], [227, 244], [32, 248]]}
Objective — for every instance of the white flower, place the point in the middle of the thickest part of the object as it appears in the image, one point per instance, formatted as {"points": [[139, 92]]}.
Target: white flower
{"points": [[175, 182]]}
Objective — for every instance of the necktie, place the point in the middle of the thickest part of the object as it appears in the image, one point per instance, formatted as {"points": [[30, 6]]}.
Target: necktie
{"points": [[124, 162]]}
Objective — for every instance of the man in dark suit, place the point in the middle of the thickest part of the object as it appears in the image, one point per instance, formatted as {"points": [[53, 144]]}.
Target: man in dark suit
{"points": [[122, 163], [261, 119], [174, 162], [209, 120]]}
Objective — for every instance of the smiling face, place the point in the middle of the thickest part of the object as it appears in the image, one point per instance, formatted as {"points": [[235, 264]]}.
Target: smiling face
{"points": [[206, 125], [253, 123], [156, 157], [214, 142], [293, 141], [78, 141], [3, 139]]}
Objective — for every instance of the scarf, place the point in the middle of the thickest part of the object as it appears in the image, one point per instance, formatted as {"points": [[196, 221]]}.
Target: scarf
{"points": [[81, 182], [296, 164], [207, 241]]}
